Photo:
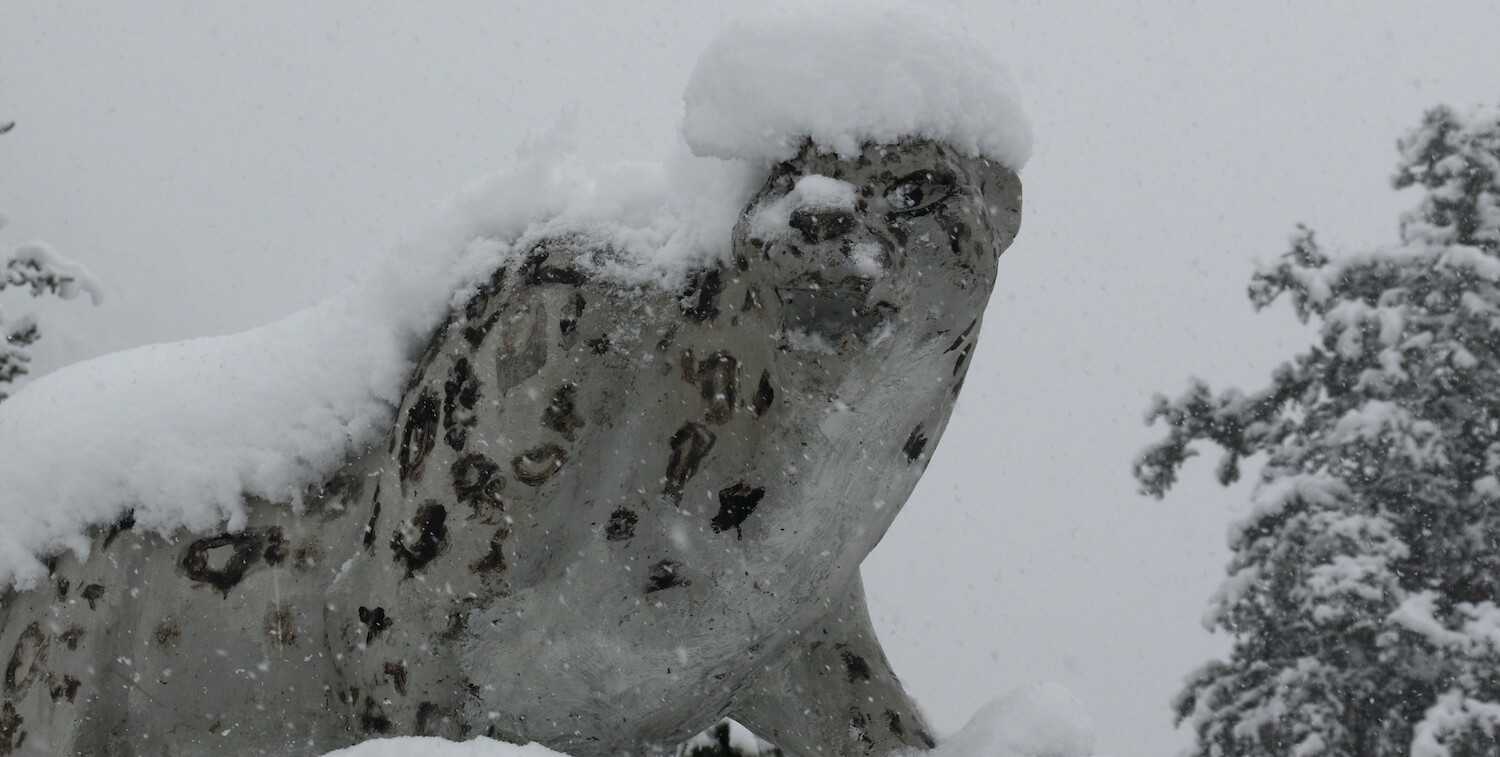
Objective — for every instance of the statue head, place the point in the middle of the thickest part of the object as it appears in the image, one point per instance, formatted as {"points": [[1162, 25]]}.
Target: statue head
{"points": [[906, 233]]}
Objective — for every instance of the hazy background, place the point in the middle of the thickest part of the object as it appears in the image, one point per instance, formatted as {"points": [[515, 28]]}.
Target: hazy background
{"points": [[220, 166]]}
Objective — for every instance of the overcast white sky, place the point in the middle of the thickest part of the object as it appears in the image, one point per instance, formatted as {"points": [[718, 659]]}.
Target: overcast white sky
{"points": [[220, 165]]}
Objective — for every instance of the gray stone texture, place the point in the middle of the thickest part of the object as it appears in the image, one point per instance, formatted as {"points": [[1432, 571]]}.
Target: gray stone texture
{"points": [[607, 515]]}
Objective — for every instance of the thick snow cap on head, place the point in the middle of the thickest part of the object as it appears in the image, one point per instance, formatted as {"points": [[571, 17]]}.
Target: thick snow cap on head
{"points": [[844, 74]]}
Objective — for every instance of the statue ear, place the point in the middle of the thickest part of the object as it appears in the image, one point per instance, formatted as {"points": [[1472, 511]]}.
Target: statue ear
{"points": [[792, 167], [805, 152], [1001, 189]]}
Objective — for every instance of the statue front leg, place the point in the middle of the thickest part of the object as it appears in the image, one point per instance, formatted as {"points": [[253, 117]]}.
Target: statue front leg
{"points": [[833, 691]]}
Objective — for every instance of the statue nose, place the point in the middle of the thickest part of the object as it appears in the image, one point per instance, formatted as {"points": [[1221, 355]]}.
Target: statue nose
{"points": [[822, 225]]}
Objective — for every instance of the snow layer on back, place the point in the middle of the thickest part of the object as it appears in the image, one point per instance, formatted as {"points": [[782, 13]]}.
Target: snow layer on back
{"points": [[844, 74], [181, 433]]}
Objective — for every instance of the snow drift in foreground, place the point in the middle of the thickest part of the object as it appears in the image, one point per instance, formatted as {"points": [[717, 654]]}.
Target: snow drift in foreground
{"points": [[432, 746], [1036, 720], [181, 433]]}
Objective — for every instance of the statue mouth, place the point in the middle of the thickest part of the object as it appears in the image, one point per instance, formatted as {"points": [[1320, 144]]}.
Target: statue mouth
{"points": [[830, 314]]}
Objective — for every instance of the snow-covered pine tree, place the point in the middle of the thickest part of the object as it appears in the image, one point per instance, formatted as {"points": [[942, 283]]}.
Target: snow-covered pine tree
{"points": [[1362, 594], [37, 267]]}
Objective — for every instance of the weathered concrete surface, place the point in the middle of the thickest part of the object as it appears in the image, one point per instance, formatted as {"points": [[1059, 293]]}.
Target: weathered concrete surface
{"points": [[606, 517]]}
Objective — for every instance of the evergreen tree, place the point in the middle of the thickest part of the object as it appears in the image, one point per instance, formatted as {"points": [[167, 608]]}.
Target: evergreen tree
{"points": [[1363, 588], [36, 267]]}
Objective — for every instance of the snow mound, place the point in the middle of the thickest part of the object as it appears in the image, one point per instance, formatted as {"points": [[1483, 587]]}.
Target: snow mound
{"points": [[180, 433], [427, 746], [844, 74], [1035, 720]]}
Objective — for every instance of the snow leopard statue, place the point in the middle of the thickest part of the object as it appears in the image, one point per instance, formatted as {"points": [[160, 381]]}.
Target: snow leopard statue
{"points": [[606, 517]]}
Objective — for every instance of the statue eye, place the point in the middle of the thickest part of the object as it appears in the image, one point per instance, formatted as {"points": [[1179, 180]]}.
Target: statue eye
{"points": [[918, 193]]}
